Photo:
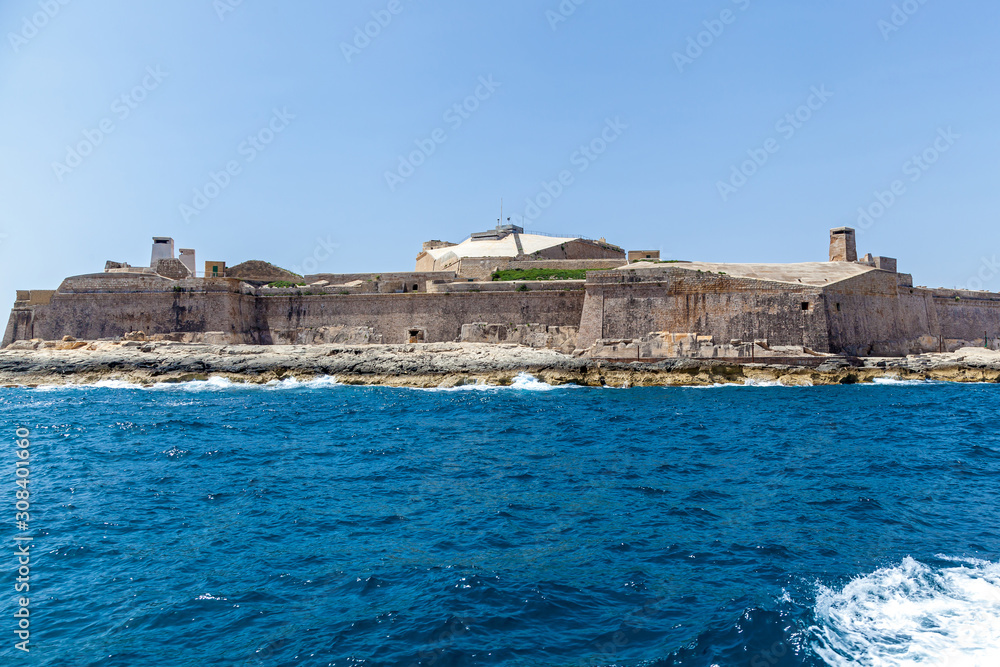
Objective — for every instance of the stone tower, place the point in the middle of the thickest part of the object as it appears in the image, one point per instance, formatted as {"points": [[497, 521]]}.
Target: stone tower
{"points": [[842, 245], [163, 248]]}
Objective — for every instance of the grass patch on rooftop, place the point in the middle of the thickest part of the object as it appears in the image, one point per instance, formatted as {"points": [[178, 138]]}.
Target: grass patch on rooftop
{"points": [[540, 274]]}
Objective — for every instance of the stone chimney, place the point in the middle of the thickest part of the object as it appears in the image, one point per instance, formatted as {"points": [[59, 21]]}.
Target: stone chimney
{"points": [[842, 245]]}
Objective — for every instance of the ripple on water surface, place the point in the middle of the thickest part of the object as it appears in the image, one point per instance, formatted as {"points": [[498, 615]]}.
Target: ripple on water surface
{"points": [[319, 524]]}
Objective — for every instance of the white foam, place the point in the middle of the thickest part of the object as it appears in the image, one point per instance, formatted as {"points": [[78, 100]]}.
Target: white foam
{"points": [[749, 382], [292, 383], [526, 382], [522, 382], [895, 380], [913, 614], [213, 384]]}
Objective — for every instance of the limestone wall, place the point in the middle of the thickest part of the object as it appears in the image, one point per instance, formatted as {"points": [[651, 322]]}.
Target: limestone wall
{"points": [[164, 307], [967, 317], [439, 317], [111, 315], [627, 305], [872, 314]]}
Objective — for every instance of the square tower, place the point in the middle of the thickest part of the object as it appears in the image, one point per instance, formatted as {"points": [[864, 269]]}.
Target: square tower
{"points": [[842, 245], [163, 248]]}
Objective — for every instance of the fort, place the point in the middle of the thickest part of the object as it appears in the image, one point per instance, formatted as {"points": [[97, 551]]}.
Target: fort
{"points": [[570, 294]]}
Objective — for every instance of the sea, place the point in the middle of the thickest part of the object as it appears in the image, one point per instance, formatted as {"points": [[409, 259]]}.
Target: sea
{"points": [[313, 523]]}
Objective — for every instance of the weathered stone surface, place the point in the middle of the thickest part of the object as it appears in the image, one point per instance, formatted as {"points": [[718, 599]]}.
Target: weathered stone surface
{"points": [[260, 271], [446, 364], [172, 268], [531, 335]]}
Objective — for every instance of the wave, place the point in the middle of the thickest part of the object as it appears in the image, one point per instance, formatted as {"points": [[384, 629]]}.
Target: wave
{"points": [[748, 382], [212, 384], [894, 380], [522, 382], [912, 614]]}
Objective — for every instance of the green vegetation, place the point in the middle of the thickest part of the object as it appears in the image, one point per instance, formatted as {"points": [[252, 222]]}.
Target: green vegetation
{"points": [[540, 274], [285, 283], [522, 288], [658, 261]]}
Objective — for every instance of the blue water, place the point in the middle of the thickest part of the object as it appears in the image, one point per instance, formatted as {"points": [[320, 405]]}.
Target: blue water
{"points": [[208, 524]]}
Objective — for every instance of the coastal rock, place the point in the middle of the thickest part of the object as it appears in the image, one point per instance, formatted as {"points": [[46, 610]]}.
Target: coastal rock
{"points": [[445, 365]]}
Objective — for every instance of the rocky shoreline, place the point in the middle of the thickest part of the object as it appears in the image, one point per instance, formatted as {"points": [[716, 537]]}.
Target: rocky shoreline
{"points": [[446, 365]]}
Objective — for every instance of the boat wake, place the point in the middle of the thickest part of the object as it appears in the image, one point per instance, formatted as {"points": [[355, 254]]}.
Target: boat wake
{"points": [[913, 614]]}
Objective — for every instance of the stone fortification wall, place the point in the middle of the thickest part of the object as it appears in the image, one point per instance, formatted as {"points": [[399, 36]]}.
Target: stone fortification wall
{"points": [[128, 283], [114, 314], [240, 316], [629, 305], [966, 318], [872, 314], [438, 317]]}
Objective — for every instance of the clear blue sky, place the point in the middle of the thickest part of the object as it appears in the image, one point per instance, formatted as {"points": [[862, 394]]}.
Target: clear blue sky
{"points": [[199, 77]]}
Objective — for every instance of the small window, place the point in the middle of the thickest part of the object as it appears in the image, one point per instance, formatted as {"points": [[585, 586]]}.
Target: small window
{"points": [[805, 305], [649, 257], [838, 307], [416, 288]]}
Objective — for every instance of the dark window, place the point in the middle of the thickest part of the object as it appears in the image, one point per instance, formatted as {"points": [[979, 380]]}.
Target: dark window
{"points": [[416, 287], [838, 307], [805, 305]]}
